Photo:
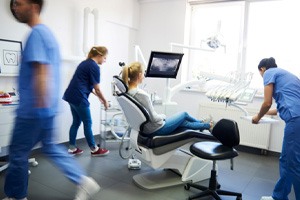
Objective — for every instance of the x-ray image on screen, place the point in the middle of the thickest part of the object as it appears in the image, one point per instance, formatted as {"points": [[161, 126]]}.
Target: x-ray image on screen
{"points": [[163, 64]]}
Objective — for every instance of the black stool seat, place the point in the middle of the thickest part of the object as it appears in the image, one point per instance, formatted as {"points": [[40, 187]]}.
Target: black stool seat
{"points": [[213, 151]]}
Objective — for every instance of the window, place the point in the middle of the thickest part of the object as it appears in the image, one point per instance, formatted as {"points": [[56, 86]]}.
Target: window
{"points": [[246, 32], [273, 31]]}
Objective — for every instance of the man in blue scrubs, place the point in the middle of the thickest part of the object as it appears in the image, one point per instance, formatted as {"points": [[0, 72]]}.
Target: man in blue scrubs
{"points": [[284, 87], [38, 86]]}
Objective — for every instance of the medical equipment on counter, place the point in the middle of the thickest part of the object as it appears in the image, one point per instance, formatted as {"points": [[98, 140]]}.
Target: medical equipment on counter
{"points": [[9, 98], [236, 93], [232, 90], [5, 98]]}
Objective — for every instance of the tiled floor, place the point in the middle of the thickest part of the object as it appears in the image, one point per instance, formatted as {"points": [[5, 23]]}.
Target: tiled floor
{"points": [[253, 175]]}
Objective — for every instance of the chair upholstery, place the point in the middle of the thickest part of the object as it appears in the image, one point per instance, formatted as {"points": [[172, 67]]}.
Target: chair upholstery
{"points": [[227, 132]]}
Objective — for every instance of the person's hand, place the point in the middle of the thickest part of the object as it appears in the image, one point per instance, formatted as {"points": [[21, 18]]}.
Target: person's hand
{"points": [[255, 119], [106, 105]]}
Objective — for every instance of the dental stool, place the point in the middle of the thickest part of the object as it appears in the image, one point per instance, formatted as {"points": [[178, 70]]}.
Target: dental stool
{"points": [[227, 132], [169, 155]]}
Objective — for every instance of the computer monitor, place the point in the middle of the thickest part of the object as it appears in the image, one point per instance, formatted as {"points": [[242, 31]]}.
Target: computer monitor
{"points": [[163, 64]]}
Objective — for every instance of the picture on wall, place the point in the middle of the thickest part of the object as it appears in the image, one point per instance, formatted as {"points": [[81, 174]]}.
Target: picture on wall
{"points": [[10, 56]]}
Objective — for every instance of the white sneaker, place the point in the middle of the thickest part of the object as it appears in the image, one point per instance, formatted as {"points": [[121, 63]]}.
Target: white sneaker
{"points": [[88, 188], [14, 199], [266, 198]]}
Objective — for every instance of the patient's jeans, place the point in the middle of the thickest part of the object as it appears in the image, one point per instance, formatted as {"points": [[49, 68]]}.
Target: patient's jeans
{"points": [[81, 114], [181, 120], [26, 134], [289, 164]]}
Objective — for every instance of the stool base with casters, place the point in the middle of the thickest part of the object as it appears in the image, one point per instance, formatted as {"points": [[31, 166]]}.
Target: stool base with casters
{"points": [[212, 190]]}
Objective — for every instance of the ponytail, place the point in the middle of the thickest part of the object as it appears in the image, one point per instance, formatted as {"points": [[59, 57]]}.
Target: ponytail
{"points": [[97, 50], [125, 75], [131, 73]]}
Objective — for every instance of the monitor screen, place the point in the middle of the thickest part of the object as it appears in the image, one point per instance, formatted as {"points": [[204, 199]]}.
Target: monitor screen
{"points": [[163, 64]]}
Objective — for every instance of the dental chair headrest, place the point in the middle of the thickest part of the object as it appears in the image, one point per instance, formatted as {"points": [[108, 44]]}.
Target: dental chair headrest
{"points": [[119, 83]]}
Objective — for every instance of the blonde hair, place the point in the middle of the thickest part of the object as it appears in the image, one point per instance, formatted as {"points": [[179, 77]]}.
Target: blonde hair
{"points": [[131, 73], [97, 50]]}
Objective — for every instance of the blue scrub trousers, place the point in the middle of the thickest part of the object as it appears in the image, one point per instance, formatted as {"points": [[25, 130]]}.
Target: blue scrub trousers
{"points": [[289, 163], [26, 134], [181, 120], [80, 114]]}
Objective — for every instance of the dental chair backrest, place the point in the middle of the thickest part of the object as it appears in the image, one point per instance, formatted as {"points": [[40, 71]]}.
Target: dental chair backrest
{"points": [[136, 115]]}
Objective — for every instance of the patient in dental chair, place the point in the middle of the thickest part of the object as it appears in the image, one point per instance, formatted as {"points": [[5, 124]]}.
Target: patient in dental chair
{"points": [[158, 124]]}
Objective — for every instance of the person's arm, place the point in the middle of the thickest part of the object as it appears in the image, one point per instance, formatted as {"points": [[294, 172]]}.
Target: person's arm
{"points": [[40, 84], [266, 105], [272, 112], [99, 94]]}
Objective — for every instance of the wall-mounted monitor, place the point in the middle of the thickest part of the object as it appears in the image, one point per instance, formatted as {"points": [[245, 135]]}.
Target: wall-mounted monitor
{"points": [[163, 64]]}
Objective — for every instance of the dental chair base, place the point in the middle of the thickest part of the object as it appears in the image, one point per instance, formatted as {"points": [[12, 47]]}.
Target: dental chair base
{"points": [[162, 178], [173, 168]]}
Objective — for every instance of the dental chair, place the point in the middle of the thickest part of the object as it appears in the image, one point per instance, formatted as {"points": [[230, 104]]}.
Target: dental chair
{"points": [[168, 155]]}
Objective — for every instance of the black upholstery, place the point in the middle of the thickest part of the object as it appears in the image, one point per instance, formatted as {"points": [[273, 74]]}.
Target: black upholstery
{"points": [[159, 144], [227, 132], [158, 141]]}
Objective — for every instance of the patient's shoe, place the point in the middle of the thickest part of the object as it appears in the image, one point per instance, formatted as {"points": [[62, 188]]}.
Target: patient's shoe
{"points": [[75, 151], [212, 124], [87, 189], [267, 198], [209, 121]]}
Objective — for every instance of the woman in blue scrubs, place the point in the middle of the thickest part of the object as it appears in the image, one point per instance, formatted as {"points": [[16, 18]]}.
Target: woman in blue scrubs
{"points": [[86, 80], [284, 87]]}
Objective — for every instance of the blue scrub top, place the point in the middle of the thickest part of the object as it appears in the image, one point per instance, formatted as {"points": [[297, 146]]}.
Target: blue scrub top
{"points": [[85, 77], [286, 92], [41, 47]]}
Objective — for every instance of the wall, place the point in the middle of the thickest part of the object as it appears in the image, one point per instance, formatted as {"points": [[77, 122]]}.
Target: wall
{"points": [[161, 22], [118, 28]]}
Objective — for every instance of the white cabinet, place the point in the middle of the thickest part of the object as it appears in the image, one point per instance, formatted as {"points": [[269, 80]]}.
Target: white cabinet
{"points": [[7, 117]]}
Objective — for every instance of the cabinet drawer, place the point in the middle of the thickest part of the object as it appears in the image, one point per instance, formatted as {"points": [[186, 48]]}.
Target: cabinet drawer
{"points": [[7, 115], [6, 129]]}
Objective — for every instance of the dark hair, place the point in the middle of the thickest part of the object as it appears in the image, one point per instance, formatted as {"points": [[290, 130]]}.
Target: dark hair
{"points": [[38, 2], [267, 63]]}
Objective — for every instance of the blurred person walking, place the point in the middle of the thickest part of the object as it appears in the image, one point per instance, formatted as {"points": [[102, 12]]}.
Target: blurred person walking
{"points": [[38, 87]]}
